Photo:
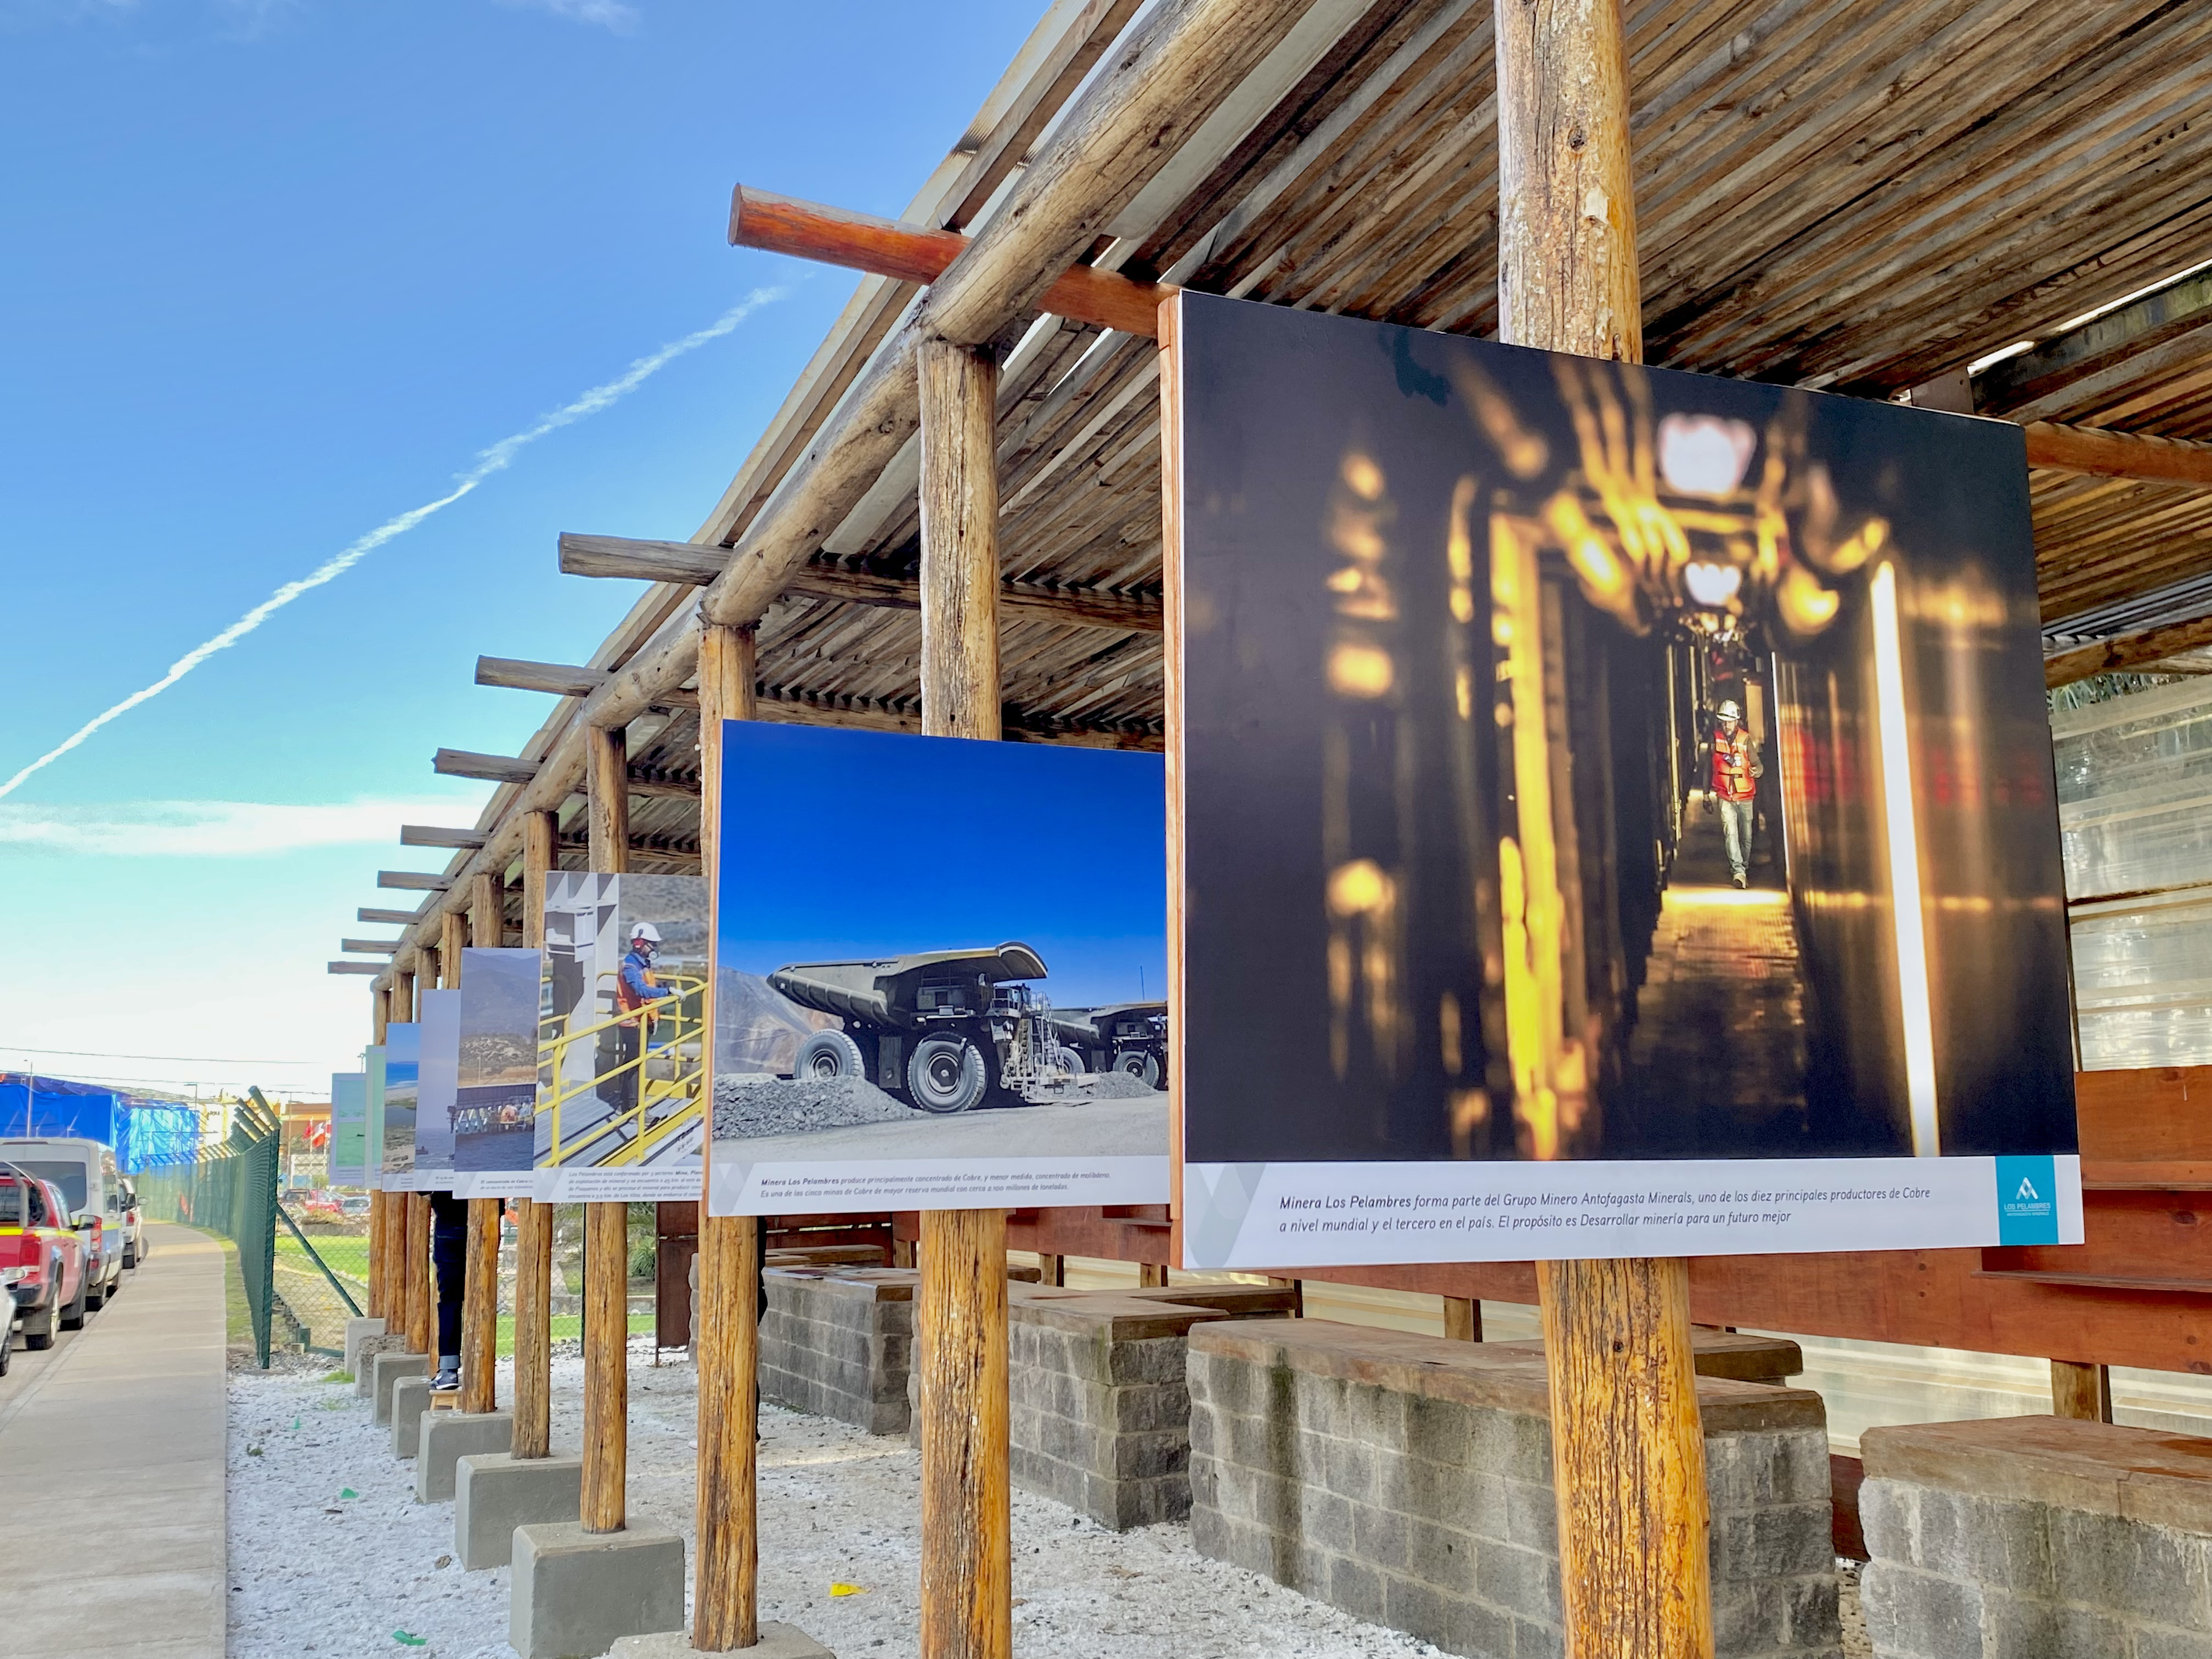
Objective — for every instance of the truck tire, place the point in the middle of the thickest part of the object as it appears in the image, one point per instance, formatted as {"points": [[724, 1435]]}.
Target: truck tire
{"points": [[827, 1055], [1072, 1060], [1138, 1065], [946, 1074], [72, 1317]]}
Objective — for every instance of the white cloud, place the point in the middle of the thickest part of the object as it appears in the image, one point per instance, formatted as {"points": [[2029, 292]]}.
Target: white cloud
{"points": [[612, 15], [219, 829], [496, 459]]}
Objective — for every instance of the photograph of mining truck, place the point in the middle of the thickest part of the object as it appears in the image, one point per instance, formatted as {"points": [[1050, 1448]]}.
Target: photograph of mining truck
{"points": [[951, 1030]]}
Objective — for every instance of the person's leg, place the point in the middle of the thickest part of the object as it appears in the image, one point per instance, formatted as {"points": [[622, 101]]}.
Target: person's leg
{"points": [[630, 1042], [1735, 823], [449, 1255]]}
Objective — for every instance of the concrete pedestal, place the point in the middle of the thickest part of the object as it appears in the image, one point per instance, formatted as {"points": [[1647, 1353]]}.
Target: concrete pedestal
{"points": [[576, 1593], [448, 1437], [385, 1371], [776, 1642], [493, 1493], [356, 1332], [410, 1404]]}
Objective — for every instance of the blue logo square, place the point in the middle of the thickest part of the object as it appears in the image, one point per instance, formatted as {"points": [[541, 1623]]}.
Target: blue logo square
{"points": [[2027, 1201]]}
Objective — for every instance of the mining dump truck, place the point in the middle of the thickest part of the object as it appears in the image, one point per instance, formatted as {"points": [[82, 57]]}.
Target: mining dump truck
{"points": [[944, 1029], [1123, 1037]]}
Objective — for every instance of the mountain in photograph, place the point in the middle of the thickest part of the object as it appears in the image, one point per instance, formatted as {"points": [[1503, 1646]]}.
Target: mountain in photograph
{"points": [[756, 1029]]}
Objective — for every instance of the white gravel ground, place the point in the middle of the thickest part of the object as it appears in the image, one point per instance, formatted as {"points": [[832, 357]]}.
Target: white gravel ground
{"points": [[314, 1572]]}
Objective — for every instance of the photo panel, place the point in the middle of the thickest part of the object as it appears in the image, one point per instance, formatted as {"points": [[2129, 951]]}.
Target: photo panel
{"points": [[438, 1068], [940, 973], [1617, 811], [348, 1144], [496, 1085], [621, 1050], [403, 1054]]}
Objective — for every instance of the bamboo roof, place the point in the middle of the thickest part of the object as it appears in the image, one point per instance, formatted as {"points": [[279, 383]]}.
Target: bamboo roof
{"points": [[1859, 196]]}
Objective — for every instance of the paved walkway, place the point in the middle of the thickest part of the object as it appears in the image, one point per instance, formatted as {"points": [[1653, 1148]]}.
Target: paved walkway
{"points": [[112, 1472]]}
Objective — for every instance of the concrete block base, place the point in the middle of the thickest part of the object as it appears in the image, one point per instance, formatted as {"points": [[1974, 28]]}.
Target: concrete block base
{"points": [[776, 1642], [493, 1493], [576, 1593], [410, 1404], [385, 1371], [448, 1437], [357, 1331]]}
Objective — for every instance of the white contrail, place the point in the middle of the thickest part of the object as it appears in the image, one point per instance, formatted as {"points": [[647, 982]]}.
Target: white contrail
{"points": [[489, 461]]}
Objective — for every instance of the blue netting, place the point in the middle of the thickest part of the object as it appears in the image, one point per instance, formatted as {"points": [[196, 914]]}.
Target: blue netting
{"points": [[145, 1132]]}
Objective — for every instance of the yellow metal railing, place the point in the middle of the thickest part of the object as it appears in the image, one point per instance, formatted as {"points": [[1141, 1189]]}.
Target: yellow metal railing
{"points": [[673, 1043]]}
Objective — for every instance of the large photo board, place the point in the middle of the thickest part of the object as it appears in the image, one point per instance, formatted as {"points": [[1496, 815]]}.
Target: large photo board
{"points": [[349, 1153], [394, 1106], [495, 1080], [940, 971], [437, 1074], [1617, 811], [622, 1056]]}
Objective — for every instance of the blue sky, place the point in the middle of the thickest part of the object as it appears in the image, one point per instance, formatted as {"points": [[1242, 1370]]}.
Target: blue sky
{"points": [[280, 270], [842, 845]]}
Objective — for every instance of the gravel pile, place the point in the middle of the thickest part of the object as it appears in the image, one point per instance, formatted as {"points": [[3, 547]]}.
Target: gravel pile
{"points": [[746, 1106], [1113, 1085]]}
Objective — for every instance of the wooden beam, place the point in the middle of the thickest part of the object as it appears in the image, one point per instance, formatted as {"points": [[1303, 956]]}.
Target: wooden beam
{"points": [[1628, 1456], [2132, 651], [516, 675], [726, 1604], [533, 1222], [413, 881], [2118, 455], [861, 241], [352, 968], [424, 834], [680, 561], [369, 946], [397, 918], [467, 764]]}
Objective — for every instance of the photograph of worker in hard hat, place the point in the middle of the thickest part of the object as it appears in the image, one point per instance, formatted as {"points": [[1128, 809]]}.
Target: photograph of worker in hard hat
{"points": [[1732, 785], [1588, 760], [621, 1053]]}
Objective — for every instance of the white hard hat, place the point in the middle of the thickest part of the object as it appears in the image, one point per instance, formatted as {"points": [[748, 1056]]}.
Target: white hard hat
{"points": [[1729, 711], [646, 930]]}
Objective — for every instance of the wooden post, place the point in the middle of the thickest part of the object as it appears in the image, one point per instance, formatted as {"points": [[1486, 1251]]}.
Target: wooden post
{"points": [[2081, 1390], [1462, 1319], [1151, 1276], [606, 1365], [724, 1601], [376, 1255], [960, 1326], [422, 1295], [606, 1226], [1628, 1446], [959, 540], [454, 935], [533, 1222], [480, 1310], [487, 910], [1051, 1269], [401, 997]]}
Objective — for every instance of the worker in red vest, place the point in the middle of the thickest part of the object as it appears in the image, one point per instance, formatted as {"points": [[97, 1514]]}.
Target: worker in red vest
{"points": [[1734, 785], [635, 985]]}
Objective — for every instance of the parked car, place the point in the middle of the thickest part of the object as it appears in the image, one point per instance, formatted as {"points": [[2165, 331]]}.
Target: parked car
{"points": [[134, 1224], [85, 1172], [357, 1205], [42, 1256]]}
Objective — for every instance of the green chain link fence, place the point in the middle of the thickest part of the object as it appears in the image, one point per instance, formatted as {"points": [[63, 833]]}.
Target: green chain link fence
{"points": [[299, 1290]]}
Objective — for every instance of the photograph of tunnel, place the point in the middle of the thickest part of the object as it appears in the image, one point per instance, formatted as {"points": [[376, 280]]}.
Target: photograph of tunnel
{"points": [[1588, 762]]}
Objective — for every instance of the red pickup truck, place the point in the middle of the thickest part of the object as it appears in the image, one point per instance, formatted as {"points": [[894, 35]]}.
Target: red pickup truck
{"points": [[42, 1260]]}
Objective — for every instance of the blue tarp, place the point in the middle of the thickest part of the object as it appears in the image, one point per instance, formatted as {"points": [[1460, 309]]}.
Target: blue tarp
{"points": [[145, 1132]]}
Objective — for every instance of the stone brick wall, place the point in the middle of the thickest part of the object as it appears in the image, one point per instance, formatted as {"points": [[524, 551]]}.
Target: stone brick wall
{"points": [[2019, 1537], [1407, 1480], [838, 1342]]}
